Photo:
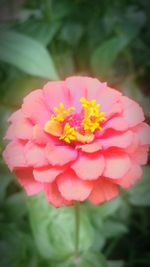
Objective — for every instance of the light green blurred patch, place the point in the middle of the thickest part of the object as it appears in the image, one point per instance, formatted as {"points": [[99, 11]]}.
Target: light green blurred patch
{"points": [[26, 54], [54, 229], [87, 259], [139, 194]]}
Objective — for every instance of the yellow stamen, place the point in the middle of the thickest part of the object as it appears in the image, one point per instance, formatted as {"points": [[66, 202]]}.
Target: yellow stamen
{"points": [[91, 122], [62, 113], [69, 133], [92, 116]]}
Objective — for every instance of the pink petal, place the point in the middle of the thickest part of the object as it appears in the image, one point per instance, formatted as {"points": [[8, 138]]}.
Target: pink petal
{"points": [[115, 109], [10, 134], [35, 108], [39, 136], [107, 99], [121, 140], [131, 176], [56, 92], [143, 131], [35, 155], [14, 155], [77, 89], [89, 167], [134, 144], [133, 113], [116, 123], [54, 197], [22, 129], [117, 165], [103, 191], [72, 188], [26, 179], [94, 88], [15, 116], [60, 155], [46, 174], [140, 155], [90, 148]]}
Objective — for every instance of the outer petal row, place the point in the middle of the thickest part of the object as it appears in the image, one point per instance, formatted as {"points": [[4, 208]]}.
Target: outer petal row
{"points": [[86, 166], [21, 129], [132, 112], [54, 196], [34, 107], [14, 155], [26, 179], [89, 167], [103, 190], [134, 173], [73, 188]]}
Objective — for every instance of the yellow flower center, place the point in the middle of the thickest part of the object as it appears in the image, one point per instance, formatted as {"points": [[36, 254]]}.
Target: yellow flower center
{"points": [[74, 127], [62, 113], [69, 133], [92, 116]]}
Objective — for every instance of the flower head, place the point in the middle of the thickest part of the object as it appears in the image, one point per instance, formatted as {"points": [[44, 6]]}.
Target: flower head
{"points": [[77, 139]]}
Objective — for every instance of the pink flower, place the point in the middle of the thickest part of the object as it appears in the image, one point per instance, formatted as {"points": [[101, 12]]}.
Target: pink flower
{"points": [[77, 139]]}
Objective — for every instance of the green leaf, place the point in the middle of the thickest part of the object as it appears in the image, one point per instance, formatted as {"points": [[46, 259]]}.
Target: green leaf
{"points": [[139, 195], [15, 205], [39, 30], [54, 229], [5, 181], [87, 259], [71, 33], [4, 113], [16, 247], [26, 54], [107, 209], [114, 228], [65, 58], [115, 263], [99, 239], [105, 55]]}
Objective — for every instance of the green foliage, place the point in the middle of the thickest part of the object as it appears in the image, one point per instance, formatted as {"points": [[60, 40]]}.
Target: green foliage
{"points": [[26, 54], [15, 247], [54, 229], [86, 259], [5, 180], [118, 263], [12, 87], [139, 194], [113, 229], [39, 30], [104, 56]]}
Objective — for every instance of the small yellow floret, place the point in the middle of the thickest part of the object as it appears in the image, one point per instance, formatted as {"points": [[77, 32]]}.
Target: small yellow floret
{"points": [[69, 133], [92, 116], [62, 113]]}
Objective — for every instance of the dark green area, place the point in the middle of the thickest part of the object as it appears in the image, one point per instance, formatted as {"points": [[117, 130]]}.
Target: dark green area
{"points": [[47, 39]]}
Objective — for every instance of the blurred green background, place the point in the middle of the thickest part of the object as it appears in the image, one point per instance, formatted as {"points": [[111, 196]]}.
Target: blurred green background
{"points": [[42, 40]]}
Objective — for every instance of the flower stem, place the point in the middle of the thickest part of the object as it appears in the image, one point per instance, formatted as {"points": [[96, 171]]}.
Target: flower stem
{"points": [[77, 227]]}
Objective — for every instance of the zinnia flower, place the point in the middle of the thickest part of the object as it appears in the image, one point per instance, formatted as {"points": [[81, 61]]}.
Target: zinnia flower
{"points": [[77, 139]]}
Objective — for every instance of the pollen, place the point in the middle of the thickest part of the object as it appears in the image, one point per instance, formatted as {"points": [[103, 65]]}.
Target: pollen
{"points": [[62, 113], [71, 126], [92, 116], [69, 133]]}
